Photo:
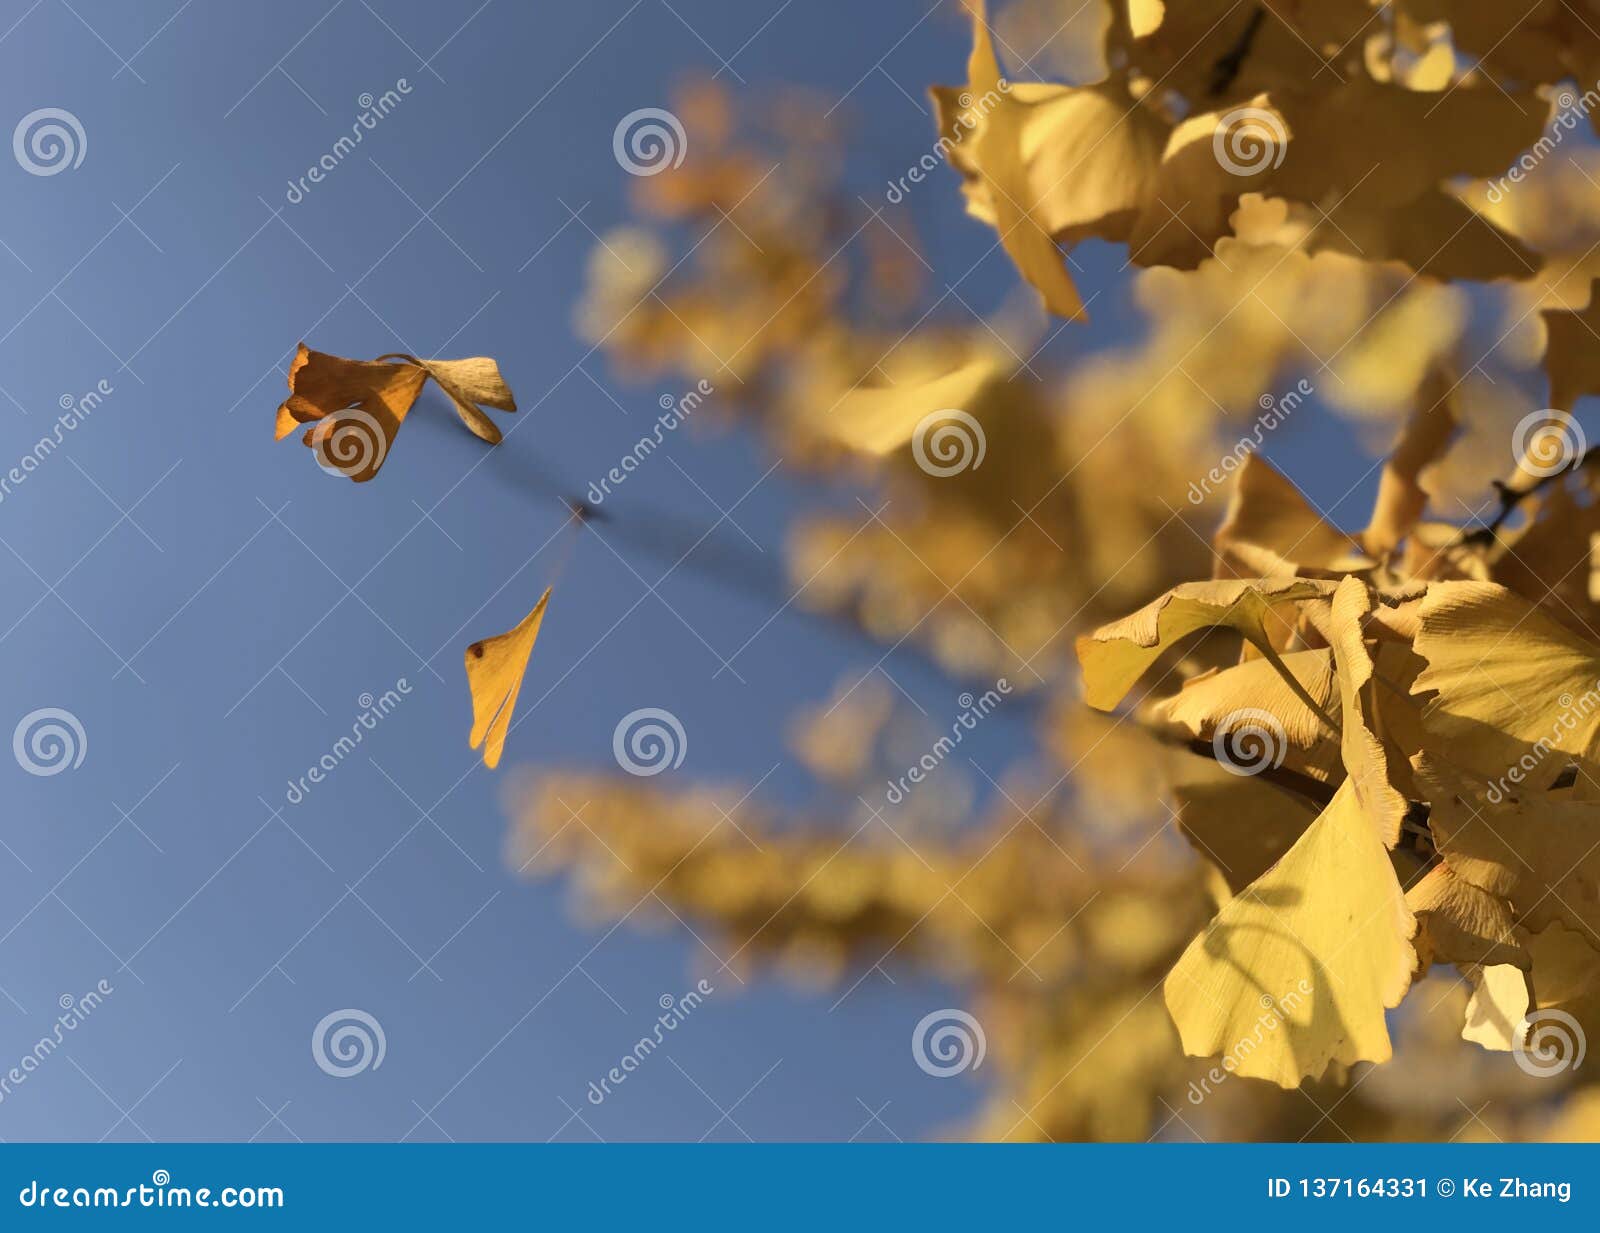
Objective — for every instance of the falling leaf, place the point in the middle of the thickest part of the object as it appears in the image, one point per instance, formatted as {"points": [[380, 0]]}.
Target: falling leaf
{"points": [[354, 408], [495, 667], [470, 384]]}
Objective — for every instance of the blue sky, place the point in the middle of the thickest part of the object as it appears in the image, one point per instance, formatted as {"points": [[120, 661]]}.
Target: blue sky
{"points": [[212, 609]]}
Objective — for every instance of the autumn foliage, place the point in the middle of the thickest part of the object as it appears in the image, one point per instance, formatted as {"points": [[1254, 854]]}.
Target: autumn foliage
{"points": [[1311, 796]]}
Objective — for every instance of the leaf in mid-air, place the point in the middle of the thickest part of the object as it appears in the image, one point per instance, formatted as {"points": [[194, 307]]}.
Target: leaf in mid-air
{"points": [[354, 408], [495, 667]]}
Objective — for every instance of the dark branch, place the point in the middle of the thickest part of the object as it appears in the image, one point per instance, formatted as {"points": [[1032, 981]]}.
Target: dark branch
{"points": [[1229, 64], [1511, 497]]}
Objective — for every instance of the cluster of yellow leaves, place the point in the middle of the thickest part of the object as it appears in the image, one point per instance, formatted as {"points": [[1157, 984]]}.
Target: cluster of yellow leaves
{"points": [[1203, 103], [1384, 139], [1426, 709], [1325, 255], [1061, 933], [801, 305]]}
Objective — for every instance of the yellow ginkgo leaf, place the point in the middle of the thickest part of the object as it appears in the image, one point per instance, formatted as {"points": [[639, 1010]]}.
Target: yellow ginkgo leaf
{"points": [[1219, 707], [1265, 509], [470, 383], [1118, 654], [1541, 855], [1089, 153], [1552, 561], [1498, 1006], [1402, 498], [1366, 759], [1460, 922], [1241, 824], [1566, 975], [1515, 693], [354, 408], [1297, 970], [878, 420], [998, 156], [494, 675], [1194, 193]]}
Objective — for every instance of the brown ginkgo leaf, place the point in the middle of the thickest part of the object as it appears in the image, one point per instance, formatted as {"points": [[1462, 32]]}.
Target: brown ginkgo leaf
{"points": [[495, 667], [353, 409], [470, 384]]}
